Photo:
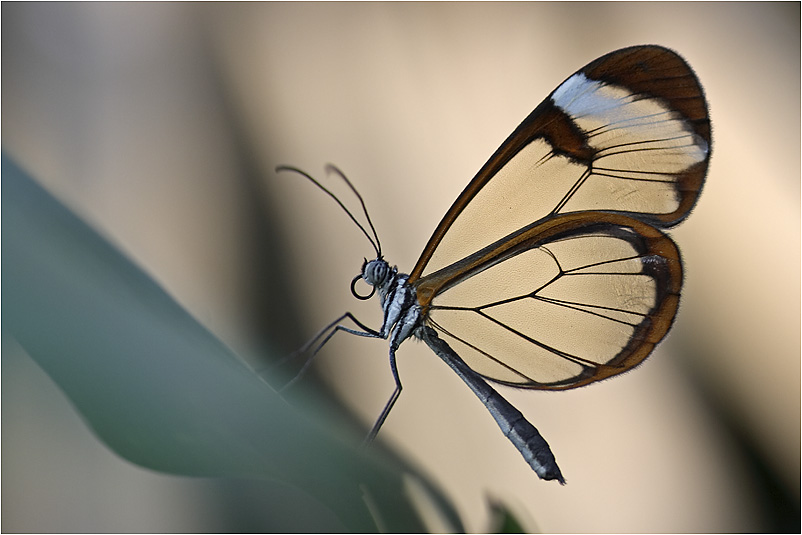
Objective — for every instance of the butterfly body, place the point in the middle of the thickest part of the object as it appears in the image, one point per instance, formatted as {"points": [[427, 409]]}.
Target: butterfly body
{"points": [[402, 312]]}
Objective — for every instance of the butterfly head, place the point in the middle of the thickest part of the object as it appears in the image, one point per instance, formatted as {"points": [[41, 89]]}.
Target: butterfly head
{"points": [[376, 272]]}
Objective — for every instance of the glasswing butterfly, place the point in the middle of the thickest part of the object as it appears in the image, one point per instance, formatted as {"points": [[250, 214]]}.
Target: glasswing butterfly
{"points": [[551, 270]]}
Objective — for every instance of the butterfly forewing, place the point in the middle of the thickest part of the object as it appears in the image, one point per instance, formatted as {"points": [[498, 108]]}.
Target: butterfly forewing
{"points": [[549, 270], [627, 133]]}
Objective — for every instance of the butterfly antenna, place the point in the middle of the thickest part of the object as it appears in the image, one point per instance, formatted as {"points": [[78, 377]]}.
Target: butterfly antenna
{"points": [[375, 243], [332, 168]]}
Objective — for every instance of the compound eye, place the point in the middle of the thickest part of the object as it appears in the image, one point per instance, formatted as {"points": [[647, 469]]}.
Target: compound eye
{"points": [[376, 272]]}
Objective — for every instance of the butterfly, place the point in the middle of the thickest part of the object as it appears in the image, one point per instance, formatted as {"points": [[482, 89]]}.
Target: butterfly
{"points": [[552, 269]]}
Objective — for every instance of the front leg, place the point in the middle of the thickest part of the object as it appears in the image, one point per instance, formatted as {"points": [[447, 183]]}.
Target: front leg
{"points": [[328, 331]]}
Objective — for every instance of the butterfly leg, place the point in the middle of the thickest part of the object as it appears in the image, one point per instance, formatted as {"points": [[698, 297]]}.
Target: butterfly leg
{"points": [[331, 328], [388, 407]]}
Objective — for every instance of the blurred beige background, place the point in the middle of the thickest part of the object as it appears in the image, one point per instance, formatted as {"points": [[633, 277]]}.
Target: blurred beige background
{"points": [[161, 124]]}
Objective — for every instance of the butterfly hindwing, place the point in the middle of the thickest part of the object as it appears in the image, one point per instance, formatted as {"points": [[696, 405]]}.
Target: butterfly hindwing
{"points": [[562, 305]]}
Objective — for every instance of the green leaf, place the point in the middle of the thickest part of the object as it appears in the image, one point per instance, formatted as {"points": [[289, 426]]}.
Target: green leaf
{"points": [[160, 389]]}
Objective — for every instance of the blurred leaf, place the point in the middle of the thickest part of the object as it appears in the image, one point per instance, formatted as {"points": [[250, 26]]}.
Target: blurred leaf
{"points": [[161, 390], [502, 520]]}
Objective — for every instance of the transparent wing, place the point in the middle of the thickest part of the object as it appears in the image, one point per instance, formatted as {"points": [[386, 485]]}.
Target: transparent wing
{"points": [[628, 133], [559, 304]]}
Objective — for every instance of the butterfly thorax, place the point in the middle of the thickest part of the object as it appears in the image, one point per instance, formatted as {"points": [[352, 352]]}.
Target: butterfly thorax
{"points": [[402, 313]]}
